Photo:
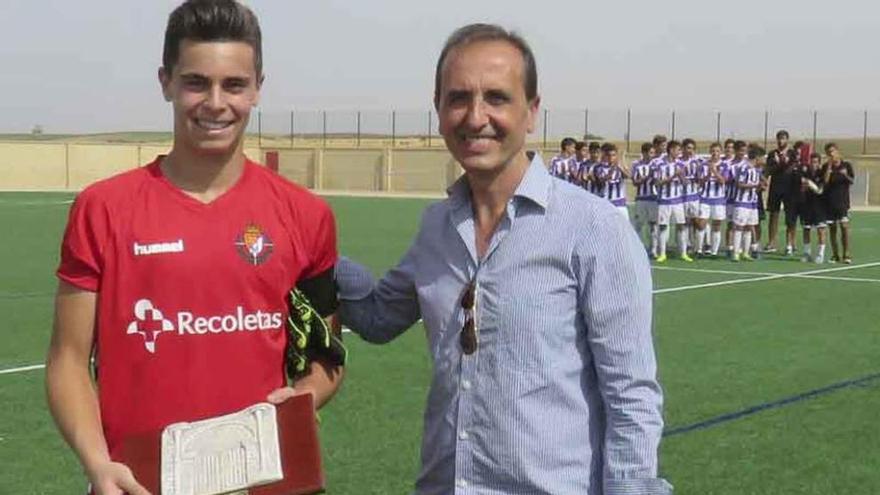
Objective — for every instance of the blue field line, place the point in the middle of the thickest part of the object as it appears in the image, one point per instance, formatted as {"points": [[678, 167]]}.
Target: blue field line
{"points": [[724, 418]]}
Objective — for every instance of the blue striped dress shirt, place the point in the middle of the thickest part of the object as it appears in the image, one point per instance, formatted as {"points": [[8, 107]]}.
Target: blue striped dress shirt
{"points": [[561, 395]]}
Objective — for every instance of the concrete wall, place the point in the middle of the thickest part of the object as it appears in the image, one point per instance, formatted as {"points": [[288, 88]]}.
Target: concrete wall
{"points": [[72, 166]]}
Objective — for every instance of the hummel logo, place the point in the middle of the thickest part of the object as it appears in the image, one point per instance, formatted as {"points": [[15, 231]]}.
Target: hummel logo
{"points": [[158, 248], [149, 322]]}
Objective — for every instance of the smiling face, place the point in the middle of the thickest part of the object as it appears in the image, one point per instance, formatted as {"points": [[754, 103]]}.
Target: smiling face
{"points": [[482, 106], [212, 88]]}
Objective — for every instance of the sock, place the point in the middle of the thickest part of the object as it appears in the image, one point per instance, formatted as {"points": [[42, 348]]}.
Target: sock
{"points": [[683, 241], [737, 242], [756, 247], [747, 240], [807, 249], [664, 239], [654, 237], [701, 239], [821, 251], [716, 241]]}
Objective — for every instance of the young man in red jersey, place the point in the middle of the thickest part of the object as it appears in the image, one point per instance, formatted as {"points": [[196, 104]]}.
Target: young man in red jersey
{"points": [[174, 276]]}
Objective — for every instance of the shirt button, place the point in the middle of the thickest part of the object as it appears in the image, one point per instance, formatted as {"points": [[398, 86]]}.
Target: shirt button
{"points": [[463, 435], [461, 483], [466, 385]]}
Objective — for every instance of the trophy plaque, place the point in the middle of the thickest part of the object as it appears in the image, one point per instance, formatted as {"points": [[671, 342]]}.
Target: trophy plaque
{"points": [[261, 450]]}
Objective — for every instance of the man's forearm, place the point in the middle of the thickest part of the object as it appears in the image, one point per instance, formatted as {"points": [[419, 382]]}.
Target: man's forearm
{"points": [[73, 403]]}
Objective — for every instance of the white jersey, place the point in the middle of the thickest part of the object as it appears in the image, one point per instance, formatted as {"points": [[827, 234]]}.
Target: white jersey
{"points": [[641, 169], [610, 184], [692, 186], [747, 175], [562, 167], [673, 191], [713, 192]]}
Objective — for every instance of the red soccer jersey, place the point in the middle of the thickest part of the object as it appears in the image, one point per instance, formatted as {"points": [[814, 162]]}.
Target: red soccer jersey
{"points": [[191, 296]]}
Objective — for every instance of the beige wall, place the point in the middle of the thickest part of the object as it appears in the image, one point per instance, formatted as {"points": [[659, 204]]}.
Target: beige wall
{"points": [[72, 166]]}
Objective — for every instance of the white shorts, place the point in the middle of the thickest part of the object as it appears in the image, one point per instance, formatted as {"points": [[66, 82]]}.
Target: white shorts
{"points": [[667, 214], [623, 210], [713, 212], [744, 217], [692, 209], [645, 211]]}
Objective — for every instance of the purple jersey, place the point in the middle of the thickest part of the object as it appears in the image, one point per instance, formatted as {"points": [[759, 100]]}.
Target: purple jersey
{"points": [[671, 192], [610, 184], [712, 191], [747, 175], [644, 191], [562, 167], [691, 186]]}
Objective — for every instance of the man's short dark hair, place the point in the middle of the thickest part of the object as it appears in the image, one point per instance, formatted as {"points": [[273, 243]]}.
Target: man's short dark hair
{"points": [[782, 134], [831, 145], [578, 146], [687, 141], [730, 141], [716, 144], [608, 147], [756, 151], [594, 145], [658, 139], [815, 155], [212, 20], [647, 147], [567, 142], [672, 144], [740, 145], [473, 33]]}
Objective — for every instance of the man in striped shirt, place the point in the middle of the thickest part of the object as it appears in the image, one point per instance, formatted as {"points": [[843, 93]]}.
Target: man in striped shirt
{"points": [[609, 176], [691, 200], [562, 165], [734, 155], [580, 157], [536, 302], [749, 178], [587, 168], [713, 177], [670, 180], [645, 213]]}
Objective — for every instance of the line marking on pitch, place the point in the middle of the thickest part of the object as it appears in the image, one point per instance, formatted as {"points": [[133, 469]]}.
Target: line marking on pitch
{"points": [[775, 276]]}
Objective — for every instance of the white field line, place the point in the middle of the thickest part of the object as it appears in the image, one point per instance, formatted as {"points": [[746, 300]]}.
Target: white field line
{"points": [[35, 203], [840, 279], [765, 278], [33, 367], [700, 270]]}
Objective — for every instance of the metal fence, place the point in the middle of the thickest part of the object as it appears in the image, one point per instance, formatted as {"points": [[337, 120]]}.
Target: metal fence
{"points": [[860, 129]]}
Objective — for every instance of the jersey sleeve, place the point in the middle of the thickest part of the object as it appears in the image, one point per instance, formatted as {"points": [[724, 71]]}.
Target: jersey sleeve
{"points": [[82, 248]]}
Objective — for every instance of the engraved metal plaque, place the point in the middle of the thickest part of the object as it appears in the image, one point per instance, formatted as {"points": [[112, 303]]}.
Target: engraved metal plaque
{"points": [[223, 454]]}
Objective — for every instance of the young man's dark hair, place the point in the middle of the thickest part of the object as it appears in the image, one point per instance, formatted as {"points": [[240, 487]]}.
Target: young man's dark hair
{"points": [[756, 151], [212, 20], [730, 141], [567, 142], [594, 145], [608, 147], [647, 147], [579, 145], [672, 144], [829, 146], [687, 141], [715, 144], [658, 139], [782, 134], [740, 145], [815, 155], [474, 33]]}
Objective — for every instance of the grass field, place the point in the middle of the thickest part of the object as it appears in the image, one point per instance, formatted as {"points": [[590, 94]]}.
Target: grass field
{"points": [[771, 369]]}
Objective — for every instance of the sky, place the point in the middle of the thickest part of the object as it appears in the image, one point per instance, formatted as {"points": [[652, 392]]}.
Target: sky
{"points": [[90, 66]]}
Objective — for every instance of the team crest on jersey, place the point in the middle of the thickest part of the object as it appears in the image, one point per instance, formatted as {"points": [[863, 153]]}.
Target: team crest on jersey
{"points": [[254, 245]]}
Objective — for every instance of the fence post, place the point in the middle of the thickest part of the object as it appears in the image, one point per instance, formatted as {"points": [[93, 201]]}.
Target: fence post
{"points": [[66, 165], [718, 127], [673, 125], [259, 128], [586, 124], [324, 128], [393, 128], [815, 126], [766, 126], [359, 129], [430, 116], [628, 127], [291, 128], [865, 136], [545, 129]]}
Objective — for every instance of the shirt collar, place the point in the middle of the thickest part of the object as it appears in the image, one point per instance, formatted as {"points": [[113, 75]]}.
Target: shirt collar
{"points": [[534, 186]]}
